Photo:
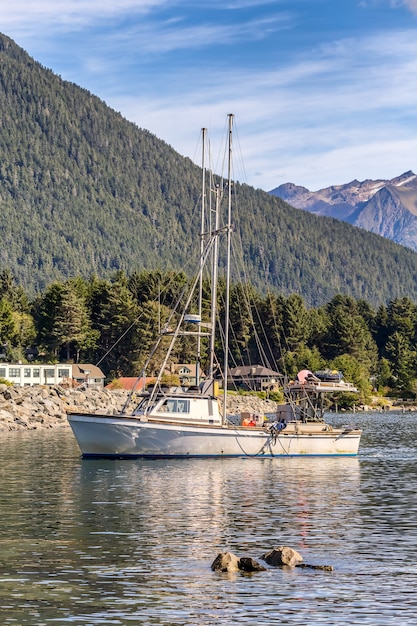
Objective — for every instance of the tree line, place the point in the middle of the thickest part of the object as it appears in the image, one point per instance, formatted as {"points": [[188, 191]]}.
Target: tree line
{"points": [[114, 323]]}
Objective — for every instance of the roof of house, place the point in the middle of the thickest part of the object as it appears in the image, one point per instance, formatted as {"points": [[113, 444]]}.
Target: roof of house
{"points": [[130, 382], [79, 370], [175, 368], [251, 371]]}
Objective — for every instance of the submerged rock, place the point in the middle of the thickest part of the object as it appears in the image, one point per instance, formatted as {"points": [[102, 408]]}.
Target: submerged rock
{"points": [[228, 562], [248, 564], [282, 555], [324, 568], [225, 562]]}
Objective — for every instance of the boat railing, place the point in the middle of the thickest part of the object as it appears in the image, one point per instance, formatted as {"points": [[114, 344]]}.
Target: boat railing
{"points": [[322, 386]]}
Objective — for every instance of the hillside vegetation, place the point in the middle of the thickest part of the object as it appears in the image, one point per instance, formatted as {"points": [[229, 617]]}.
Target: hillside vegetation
{"points": [[84, 192]]}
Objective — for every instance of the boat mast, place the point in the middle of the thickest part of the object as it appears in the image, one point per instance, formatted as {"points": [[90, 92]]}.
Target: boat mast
{"points": [[202, 228], [214, 234], [229, 232]]}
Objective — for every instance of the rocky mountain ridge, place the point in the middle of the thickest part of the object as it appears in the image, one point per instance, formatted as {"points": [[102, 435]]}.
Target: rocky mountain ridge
{"points": [[385, 207]]}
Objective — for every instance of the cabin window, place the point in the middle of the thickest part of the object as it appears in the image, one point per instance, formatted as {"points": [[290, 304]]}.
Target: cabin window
{"points": [[63, 373], [27, 372], [14, 372], [2, 372], [175, 405]]}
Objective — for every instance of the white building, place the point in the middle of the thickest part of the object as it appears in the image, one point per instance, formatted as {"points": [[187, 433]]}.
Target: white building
{"points": [[35, 374]]}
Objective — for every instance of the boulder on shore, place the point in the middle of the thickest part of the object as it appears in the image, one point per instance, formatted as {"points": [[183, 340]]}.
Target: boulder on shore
{"points": [[44, 406]]}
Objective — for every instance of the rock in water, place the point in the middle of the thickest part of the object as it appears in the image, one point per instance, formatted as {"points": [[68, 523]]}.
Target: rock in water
{"points": [[282, 555], [228, 562], [225, 562]]}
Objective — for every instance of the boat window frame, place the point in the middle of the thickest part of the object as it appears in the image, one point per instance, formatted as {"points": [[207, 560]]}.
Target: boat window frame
{"points": [[178, 406]]}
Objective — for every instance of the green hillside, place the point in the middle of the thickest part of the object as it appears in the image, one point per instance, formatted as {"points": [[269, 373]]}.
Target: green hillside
{"points": [[83, 191]]}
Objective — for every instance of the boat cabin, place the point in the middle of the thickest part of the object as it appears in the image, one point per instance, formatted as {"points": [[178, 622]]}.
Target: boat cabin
{"points": [[176, 404]]}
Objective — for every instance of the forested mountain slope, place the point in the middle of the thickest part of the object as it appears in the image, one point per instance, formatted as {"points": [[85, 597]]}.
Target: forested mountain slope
{"points": [[84, 191]]}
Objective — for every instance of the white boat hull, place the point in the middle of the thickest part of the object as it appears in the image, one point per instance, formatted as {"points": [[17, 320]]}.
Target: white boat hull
{"points": [[122, 437]]}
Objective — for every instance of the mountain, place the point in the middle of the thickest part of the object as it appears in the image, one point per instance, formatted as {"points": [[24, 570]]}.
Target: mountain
{"points": [[85, 192], [385, 207]]}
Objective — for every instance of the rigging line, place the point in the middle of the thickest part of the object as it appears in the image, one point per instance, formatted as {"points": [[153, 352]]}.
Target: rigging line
{"points": [[251, 305], [140, 316], [278, 333], [118, 340], [164, 290], [237, 347], [207, 251], [240, 154], [135, 321], [241, 264], [222, 157]]}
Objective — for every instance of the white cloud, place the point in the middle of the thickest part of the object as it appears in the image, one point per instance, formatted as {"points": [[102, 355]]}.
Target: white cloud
{"points": [[342, 110], [348, 113], [410, 4], [67, 12]]}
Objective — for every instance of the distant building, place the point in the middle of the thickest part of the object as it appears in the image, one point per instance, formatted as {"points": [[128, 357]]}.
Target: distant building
{"points": [[87, 374], [131, 383], [39, 374], [254, 378], [186, 372]]}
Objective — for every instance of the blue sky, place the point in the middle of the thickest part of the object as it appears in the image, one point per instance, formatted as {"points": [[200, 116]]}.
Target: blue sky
{"points": [[323, 91]]}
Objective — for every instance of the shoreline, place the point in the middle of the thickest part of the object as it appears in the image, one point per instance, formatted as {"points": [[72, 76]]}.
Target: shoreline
{"points": [[45, 407]]}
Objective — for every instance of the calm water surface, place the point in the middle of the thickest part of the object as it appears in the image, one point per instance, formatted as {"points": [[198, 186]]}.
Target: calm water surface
{"points": [[131, 542]]}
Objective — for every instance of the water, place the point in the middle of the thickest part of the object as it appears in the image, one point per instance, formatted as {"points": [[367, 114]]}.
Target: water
{"points": [[131, 542]]}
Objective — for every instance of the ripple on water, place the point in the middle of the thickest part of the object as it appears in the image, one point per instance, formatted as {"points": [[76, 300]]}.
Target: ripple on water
{"points": [[122, 542]]}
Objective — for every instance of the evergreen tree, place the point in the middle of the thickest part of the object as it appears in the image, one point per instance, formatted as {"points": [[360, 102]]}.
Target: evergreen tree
{"points": [[113, 315], [402, 359], [8, 328], [71, 329]]}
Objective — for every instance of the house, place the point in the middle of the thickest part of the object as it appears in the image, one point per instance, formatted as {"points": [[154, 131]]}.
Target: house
{"points": [[88, 375], [22, 375], [254, 378], [131, 383], [187, 373], [31, 374]]}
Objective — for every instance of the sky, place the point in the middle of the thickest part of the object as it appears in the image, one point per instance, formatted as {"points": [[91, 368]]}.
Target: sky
{"points": [[322, 91]]}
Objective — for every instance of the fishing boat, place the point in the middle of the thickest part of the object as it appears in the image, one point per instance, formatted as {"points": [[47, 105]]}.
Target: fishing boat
{"points": [[173, 421]]}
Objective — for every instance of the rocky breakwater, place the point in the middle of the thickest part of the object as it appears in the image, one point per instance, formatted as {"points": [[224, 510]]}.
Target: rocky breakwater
{"points": [[47, 406], [250, 404]]}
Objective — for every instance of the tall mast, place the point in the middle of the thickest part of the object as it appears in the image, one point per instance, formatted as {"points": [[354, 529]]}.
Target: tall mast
{"points": [[214, 278], [229, 232], [202, 228]]}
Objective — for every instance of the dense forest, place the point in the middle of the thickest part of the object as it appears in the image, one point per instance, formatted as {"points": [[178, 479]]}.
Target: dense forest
{"points": [[85, 192], [115, 322]]}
